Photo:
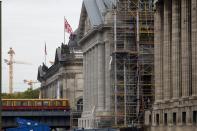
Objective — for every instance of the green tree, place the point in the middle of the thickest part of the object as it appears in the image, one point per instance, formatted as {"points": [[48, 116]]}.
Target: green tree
{"points": [[28, 94]]}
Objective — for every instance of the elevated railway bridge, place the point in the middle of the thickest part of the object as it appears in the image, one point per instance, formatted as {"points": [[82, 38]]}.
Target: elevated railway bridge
{"points": [[53, 112]]}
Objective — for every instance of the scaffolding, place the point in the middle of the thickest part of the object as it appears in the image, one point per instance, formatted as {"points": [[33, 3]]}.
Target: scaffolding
{"points": [[132, 35]]}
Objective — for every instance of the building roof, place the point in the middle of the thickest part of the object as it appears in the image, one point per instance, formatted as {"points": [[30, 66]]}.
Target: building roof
{"points": [[95, 10], [64, 54], [42, 71]]}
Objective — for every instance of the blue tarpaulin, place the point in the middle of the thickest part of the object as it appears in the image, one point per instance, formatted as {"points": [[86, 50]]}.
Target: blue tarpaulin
{"points": [[29, 125], [24, 122], [102, 129], [33, 128]]}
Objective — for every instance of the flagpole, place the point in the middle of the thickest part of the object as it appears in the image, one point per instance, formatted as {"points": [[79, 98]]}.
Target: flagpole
{"points": [[64, 29], [45, 53], [45, 59]]}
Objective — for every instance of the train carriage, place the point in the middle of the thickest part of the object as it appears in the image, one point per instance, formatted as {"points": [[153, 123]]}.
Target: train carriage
{"points": [[35, 104]]}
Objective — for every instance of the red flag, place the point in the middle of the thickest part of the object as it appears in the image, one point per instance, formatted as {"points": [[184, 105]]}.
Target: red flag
{"points": [[45, 49], [67, 27]]}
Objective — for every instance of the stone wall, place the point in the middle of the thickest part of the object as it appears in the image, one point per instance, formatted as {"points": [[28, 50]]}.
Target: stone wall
{"points": [[66, 83], [175, 105]]}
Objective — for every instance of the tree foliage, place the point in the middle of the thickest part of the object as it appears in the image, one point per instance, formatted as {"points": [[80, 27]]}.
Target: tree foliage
{"points": [[28, 94]]}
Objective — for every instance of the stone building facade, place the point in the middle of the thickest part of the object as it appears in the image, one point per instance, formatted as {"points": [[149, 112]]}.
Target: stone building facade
{"points": [[64, 79], [175, 66], [110, 63], [96, 48]]}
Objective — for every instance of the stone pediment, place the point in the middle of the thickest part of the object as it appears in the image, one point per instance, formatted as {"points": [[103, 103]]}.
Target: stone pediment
{"points": [[93, 14]]}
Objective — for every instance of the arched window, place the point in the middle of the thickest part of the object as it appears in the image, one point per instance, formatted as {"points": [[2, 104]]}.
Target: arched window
{"points": [[80, 105]]}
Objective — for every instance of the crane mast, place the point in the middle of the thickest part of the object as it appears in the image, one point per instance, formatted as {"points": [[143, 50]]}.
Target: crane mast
{"points": [[10, 63]]}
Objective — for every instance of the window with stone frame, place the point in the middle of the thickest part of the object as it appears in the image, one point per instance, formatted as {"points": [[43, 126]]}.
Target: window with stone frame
{"points": [[165, 118], [157, 119], [184, 117], [174, 118], [80, 105], [195, 117]]}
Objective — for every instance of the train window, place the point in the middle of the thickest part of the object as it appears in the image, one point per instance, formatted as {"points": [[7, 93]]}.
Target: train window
{"points": [[64, 103], [4, 103], [31, 103], [9, 103], [24, 103], [59, 103], [17, 103], [45, 103], [38, 103], [53, 103], [67, 104]]}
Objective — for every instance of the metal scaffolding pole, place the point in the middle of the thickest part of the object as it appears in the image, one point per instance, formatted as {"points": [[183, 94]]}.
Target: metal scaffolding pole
{"points": [[132, 34], [115, 66], [138, 66], [125, 94]]}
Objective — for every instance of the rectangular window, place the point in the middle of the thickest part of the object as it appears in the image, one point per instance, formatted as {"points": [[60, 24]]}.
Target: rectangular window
{"points": [[38, 103], [150, 119], [9, 103], [4, 103], [53, 103], [165, 119], [31, 103], [45, 103], [58, 103], [194, 117], [157, 119], [174, 118], [18, 103], [184, 117], [24, 103], [64, 103]]}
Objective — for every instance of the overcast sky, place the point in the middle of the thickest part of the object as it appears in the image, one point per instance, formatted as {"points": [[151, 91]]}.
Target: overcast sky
{"points": [[26, 25]]}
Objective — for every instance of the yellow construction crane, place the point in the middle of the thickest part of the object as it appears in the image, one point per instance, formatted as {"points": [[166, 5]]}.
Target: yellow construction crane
{"points": [[10, 63], [30, 83]]}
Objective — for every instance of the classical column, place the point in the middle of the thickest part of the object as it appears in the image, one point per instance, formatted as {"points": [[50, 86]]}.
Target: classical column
{"points": [[88, 80], [85, 97], [108, 86], [96, 75], [58, 88], [157, 53], [91, 79], [101, 76], [175, 48], [189, 115], [194, 46], [64, 86], [185, 48], [84, 88], [166, 50]]}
